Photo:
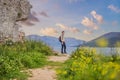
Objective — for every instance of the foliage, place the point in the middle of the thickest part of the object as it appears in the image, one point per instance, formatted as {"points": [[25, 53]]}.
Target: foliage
{"points": [[103, 42], [117, 44], [85, 64], [33, 60], [16, 57]]}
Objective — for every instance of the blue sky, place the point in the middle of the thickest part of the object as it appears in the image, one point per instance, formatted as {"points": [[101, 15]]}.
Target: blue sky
{"points": [[81, 19]]}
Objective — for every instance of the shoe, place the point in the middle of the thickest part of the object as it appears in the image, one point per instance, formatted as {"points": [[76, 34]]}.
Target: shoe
{"points": [[62, 53], [65, 53]]}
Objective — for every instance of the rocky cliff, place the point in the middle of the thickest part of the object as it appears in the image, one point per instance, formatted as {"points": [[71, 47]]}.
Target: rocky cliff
{"points": [[12, 11]]}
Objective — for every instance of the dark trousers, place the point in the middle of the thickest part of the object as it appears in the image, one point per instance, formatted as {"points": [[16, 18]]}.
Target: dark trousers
{"points": [[63, 47]]}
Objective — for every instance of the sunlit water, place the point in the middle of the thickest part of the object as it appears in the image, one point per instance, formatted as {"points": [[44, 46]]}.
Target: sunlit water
{"points": [[106, 50], [68, 49]]}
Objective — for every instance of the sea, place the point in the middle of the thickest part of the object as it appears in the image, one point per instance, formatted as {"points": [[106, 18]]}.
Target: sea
{"points": [[99, 50]]}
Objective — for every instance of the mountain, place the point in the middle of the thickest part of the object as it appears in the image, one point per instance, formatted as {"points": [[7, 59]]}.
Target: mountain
{"points": [[107, 40], [54, 42]]}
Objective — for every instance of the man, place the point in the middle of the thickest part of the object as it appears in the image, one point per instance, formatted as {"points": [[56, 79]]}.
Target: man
{"points": [[63, 45]]}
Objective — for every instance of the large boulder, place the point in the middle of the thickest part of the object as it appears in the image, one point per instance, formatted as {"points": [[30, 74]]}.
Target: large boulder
{"points": [[12, 11]]}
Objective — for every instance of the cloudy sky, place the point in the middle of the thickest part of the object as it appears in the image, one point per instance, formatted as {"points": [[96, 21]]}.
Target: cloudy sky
{"points": [[80, 19]]}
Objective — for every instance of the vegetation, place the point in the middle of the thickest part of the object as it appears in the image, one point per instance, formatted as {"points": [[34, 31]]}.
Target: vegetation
{"points": [[111, 39], [15, 58], [85, 64]]}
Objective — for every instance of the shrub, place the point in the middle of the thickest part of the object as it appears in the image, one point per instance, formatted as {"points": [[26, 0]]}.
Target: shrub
{"points": [[17, 57], [33, 59], [85, 64], [9, 68]]}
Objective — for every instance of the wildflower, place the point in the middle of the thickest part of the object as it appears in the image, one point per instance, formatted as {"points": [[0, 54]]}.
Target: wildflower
{"points": [[72, 69], [113, 75], [74, 63], [64, 72], [103, 42], [75, 56], [59, 71], [104, 72]]}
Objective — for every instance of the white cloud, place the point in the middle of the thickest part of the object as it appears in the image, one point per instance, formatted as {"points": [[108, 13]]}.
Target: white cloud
{"points": [[98, 17], [48, 31], [88, 32], [89, 23], [31, 21], [64, 27], [43, 13], [114, 8], [26, 23], [73, 29]]}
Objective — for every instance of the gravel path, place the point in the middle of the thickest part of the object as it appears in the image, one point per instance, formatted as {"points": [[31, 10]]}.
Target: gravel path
{"points": [[47, 73]]}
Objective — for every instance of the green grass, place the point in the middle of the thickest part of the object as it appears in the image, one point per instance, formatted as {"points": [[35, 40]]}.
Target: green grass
{"points": [[16, 58], [86, 64], [55, 64]]}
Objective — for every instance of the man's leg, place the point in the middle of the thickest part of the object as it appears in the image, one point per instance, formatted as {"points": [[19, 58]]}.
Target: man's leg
{"points": [[62, 48]]}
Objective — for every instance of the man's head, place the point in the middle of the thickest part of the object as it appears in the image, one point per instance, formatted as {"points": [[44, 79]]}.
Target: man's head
{"points": [[63, 32]]}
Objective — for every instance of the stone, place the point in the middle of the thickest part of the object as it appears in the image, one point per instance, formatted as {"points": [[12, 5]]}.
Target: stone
{"points": [[12, 11]]}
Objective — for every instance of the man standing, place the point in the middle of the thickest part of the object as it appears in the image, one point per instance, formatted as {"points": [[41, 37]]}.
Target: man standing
{"points": [[63, 45]]}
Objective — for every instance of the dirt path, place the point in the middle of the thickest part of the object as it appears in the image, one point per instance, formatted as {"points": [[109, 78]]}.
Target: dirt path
{"points": [[47, 72]]}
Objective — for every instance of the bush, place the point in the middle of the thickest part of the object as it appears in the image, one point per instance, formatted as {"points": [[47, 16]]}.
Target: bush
{"points": [[33, 60], [9, 68], [85, 64], [17, 57]]}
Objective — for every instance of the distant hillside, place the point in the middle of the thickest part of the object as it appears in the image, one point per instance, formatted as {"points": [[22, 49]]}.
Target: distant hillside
{"points": [[112, 38], [54, 42]]}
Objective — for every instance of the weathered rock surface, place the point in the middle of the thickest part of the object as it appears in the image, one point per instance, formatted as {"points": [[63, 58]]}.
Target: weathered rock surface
{"points": [[12, 11]]}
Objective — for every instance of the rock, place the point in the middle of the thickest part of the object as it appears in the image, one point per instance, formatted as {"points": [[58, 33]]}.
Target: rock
{"points": [[12, 11]]}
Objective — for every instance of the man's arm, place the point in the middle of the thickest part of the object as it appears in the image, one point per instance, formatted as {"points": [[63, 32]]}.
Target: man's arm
{"points": [[62, 38]]}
